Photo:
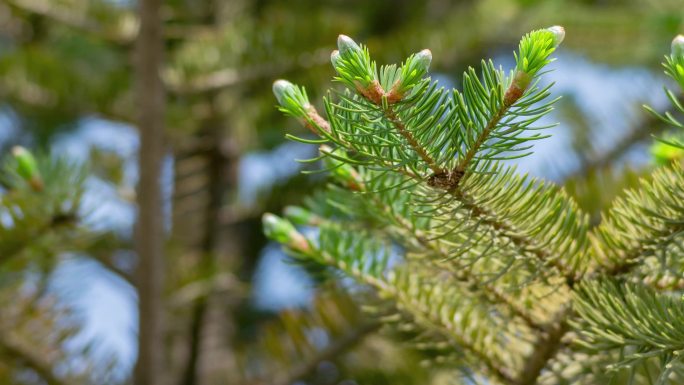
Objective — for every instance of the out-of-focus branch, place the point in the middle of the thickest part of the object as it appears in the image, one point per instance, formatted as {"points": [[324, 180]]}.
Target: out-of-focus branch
{"points": [[13, 351], [230, 76], [109, 265], [347, 341], [649, 125], [124, 33]]}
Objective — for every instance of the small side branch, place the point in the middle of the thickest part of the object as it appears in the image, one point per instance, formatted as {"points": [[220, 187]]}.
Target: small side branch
{"points": [[346, 342], [392, 116], [545, 349]]}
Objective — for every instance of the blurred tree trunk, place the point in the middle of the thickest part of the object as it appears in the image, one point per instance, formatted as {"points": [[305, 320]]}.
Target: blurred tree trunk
{"points": [[150, 226]]}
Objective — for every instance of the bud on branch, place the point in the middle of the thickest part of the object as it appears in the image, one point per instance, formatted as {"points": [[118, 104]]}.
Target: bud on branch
{"points": [[412, 73], [27, 168], [674, 64], [294, 102], [533, 54], [282, 231]]}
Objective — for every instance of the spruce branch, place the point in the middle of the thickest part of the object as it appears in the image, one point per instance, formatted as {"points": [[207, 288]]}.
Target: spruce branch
{"points": [[423, 164], [674, 68], [407, 229], [407, 233], [347, 253], [643, 223], [616, 315], [545, 348], [534, 51]]}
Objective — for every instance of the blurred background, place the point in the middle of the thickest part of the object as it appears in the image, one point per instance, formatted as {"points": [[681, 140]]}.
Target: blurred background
{"points": [[235, 310]]}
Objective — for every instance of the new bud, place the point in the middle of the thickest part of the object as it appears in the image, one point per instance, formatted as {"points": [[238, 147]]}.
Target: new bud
{"points": [[678, 46], [282, 231], [558, 34], [335, 58], [346, 45], [423, 60], [27, 167], [412, 73], [665, 153], [292, 99], [281, 89]]}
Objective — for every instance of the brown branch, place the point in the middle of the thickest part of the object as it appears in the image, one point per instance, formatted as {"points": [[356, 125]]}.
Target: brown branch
{"points": [[545, 349], [459, 170], [512, 95], [392, 116]]}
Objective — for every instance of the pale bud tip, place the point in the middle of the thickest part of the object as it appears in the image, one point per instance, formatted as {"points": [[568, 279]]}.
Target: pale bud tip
{"points": [[334, 57], [325, 149], [269, 219], [678, 45], [18, 151], [425, 58], [281, 88], [426, 52], [558, 34], [346, 44]]}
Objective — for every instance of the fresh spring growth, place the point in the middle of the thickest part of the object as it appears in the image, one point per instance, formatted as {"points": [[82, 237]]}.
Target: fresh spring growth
{"points": [[534, 52], [292, 99], [678, 46], [27, 167], [354, 68], [665, 153], [558, 34], [347, 46], [412, 72], [282, 231], [674, 64], [342, 171]]}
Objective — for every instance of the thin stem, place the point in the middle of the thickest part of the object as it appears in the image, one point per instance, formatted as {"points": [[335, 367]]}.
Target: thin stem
{"points": [[463, 274], [459, 170], [512, 95], [505, 229], [392, 116], [448, 330], [522, 242]]}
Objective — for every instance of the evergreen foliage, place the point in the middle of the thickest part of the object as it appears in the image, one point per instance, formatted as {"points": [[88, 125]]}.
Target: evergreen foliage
{"points": [[41, 213], [496, 274]]}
